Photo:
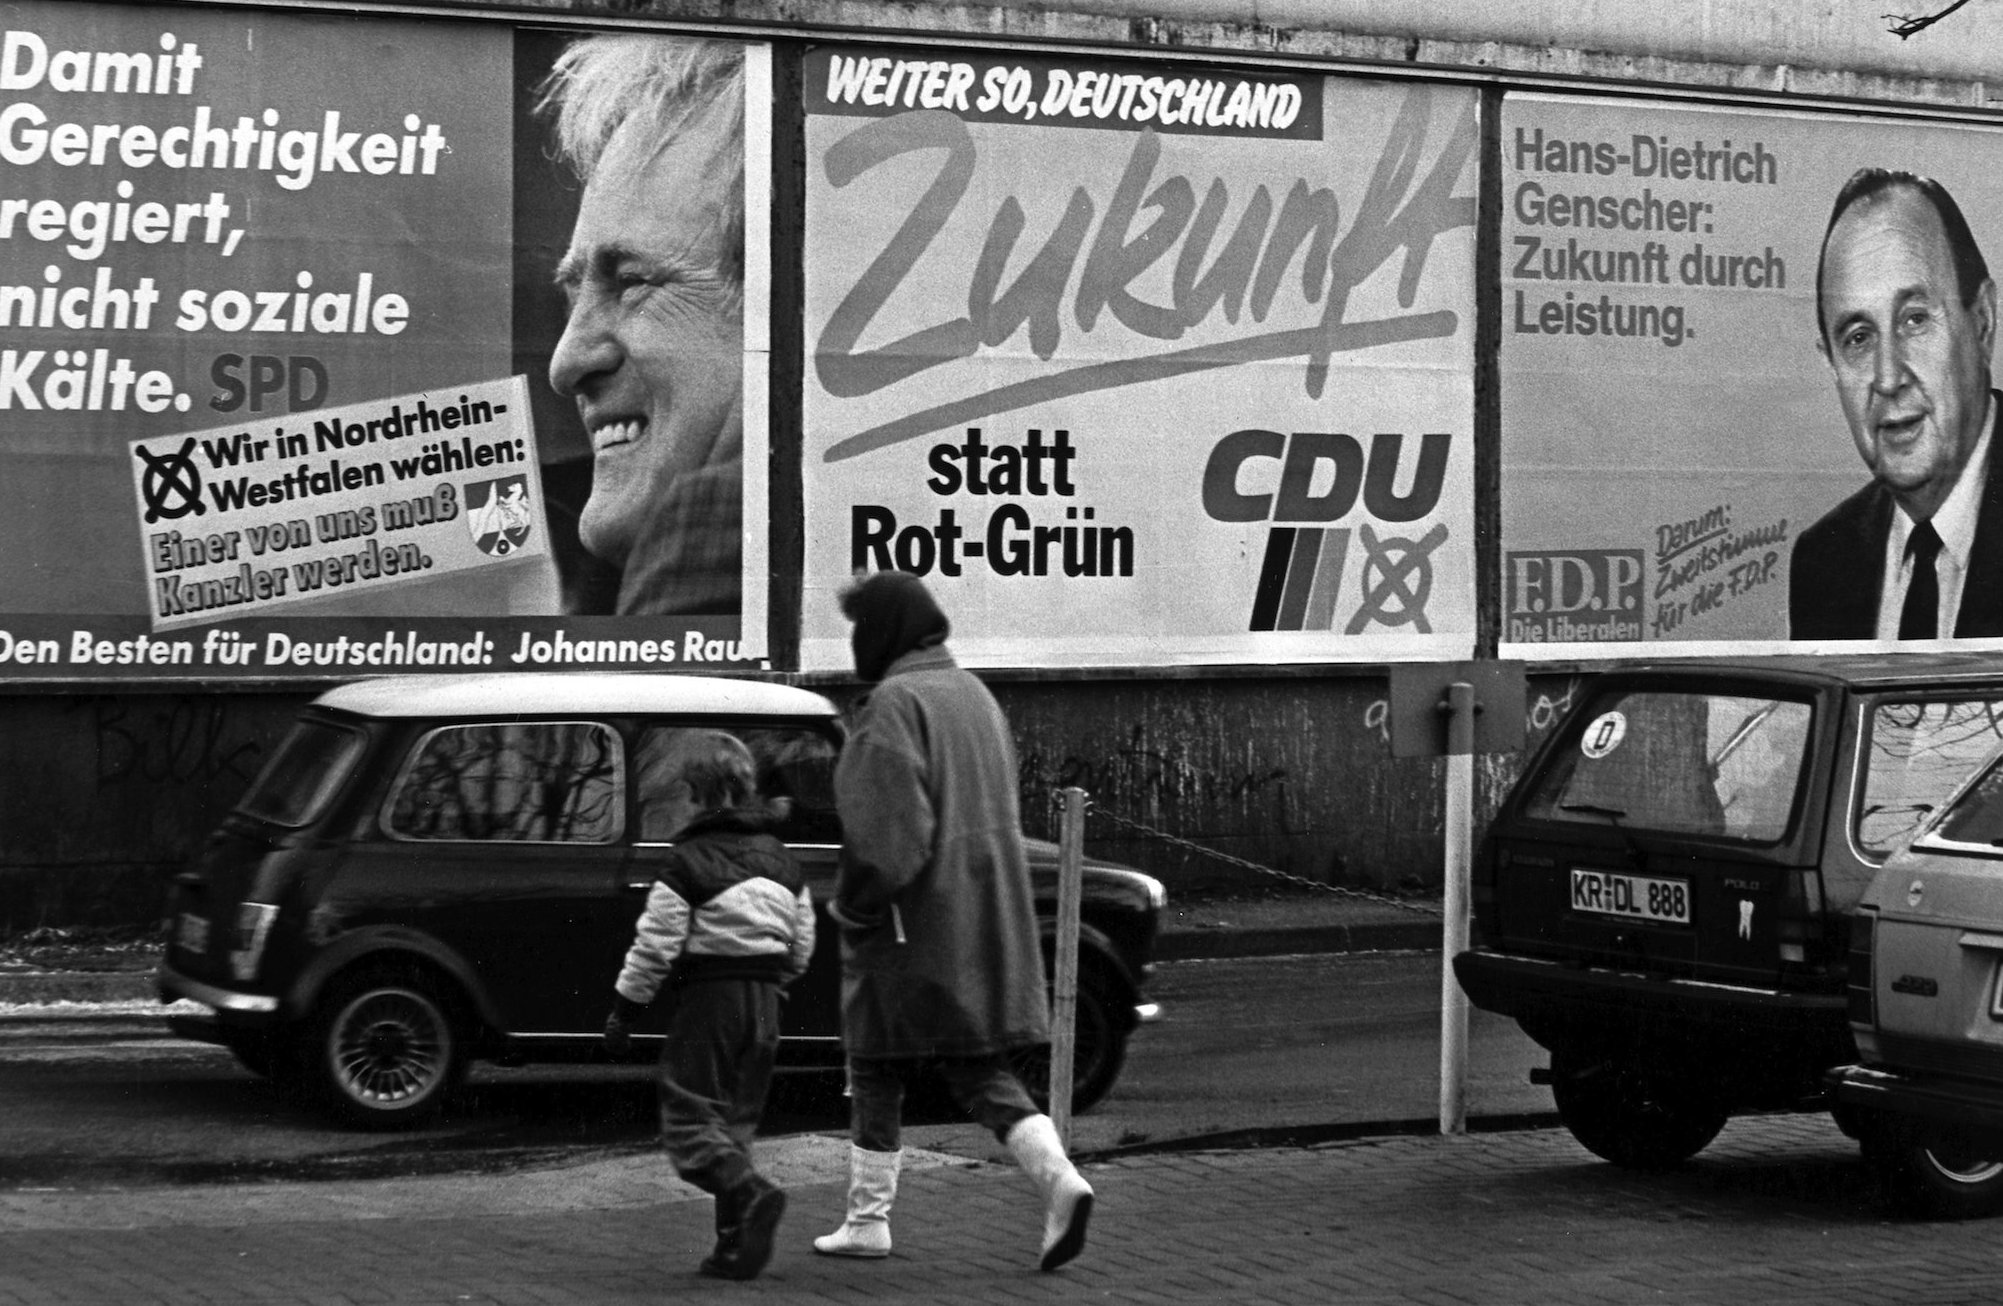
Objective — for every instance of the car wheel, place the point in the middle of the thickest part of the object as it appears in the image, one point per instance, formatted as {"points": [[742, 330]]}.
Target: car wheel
{"points": [[1936, 1173], [1099, 1048], [1634, 1119], [383, 1048]]}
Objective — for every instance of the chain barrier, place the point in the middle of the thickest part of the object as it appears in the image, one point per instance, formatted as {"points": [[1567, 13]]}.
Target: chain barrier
{"points": [[1094, 808]]}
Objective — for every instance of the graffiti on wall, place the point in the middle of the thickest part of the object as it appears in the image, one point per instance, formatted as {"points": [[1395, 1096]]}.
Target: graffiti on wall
{"points": [[1543, 712], [1140, 773], [189, 739]]}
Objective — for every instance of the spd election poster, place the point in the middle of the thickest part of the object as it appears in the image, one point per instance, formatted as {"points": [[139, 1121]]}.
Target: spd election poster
{"points": [[1690, 463], [1137, 364], [284, 367]]}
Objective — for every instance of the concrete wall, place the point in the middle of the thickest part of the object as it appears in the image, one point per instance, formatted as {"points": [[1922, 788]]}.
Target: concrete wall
{"points": [[107, 794], [1293, 774], [113, 793]]}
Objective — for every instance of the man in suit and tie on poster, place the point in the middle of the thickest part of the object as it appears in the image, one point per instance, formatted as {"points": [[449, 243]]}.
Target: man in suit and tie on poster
{"points": [[1907, 317]]}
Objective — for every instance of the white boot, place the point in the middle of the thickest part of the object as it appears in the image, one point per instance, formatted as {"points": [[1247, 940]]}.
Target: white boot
{"points": [[1067, 1198], [872, 1187]]}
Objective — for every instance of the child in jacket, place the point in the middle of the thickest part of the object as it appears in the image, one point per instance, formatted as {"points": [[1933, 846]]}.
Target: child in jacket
{"points": [[728, 922]]}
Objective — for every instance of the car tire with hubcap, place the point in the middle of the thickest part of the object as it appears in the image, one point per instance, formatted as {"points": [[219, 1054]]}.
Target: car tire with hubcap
{"points": [[1099, 1048], [1934, 1171], [1626, 1115], [383, 1047]]}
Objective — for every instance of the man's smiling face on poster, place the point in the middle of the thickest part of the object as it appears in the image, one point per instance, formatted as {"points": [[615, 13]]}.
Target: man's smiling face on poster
{"points": [[1910, 359], [652, 353]]}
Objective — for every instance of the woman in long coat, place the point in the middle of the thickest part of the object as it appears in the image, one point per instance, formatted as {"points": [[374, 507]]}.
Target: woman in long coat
{"points": [[941, 963]]}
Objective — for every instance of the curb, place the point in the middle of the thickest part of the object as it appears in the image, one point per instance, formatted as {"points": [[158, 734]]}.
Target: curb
{"points": [[1276, 1136], [47, 987]]}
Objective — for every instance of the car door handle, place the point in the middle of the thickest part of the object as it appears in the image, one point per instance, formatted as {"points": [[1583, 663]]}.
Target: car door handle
{"points": [[641, 886], [1985, 942]]}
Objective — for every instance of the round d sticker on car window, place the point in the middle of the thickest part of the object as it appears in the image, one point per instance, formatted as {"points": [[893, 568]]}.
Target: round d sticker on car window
{"points": [[1603, 736]]}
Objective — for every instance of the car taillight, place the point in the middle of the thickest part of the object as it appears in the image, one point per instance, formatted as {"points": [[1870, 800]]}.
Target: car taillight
{"points": [[1489, 864], [1799, 928], [253, 928], [1857, 985], [1794, 941]]}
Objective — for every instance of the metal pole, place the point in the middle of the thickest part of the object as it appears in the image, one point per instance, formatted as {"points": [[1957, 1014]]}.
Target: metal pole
{"points": [[1460, 710], [1064, 1002]]}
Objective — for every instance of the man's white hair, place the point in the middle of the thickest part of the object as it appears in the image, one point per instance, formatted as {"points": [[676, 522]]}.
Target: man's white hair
{"points": [[662, 86]]}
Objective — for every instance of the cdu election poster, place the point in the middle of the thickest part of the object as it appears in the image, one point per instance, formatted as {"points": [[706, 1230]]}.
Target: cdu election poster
{"points": [[1138, 364]]}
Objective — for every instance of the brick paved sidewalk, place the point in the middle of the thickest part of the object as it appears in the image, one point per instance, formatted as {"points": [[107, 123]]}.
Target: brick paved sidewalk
{"points": [[1778, 1211]]}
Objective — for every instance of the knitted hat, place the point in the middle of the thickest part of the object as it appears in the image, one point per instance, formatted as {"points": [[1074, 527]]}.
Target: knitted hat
{"points": [[893, 614]]}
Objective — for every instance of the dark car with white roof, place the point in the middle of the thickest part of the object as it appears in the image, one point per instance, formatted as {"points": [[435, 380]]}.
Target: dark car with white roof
{"points": [[432, 870]]}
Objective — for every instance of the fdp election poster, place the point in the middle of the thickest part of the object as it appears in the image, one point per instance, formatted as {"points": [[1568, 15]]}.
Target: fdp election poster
{"points": [[1718, 436], [1139, 364], [311, 348]]}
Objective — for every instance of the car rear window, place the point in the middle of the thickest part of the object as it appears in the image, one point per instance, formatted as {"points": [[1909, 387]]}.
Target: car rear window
{"points": [[513, 782], [302, 777], [1920, 752], [1721, 765]]}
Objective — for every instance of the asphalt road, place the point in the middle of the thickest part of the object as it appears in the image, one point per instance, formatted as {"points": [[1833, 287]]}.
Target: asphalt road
{"points": [[1294, 1047], [1303, 1047]]}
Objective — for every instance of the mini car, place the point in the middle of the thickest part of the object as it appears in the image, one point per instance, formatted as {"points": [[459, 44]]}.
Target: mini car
{"points": [[1662, 899], [1926, 1004], [431, 870]]}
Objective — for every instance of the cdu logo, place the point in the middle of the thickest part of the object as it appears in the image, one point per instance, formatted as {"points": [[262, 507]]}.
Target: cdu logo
{"points": [[1321, 477]]}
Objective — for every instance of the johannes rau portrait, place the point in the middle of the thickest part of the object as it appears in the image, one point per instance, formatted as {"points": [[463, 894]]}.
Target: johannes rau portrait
{"points": [[652, 350]]}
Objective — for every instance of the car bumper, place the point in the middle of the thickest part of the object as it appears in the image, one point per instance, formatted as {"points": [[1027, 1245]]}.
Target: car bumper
{"points": [[1965, 1104], [1536, 991], [232, 1007]]}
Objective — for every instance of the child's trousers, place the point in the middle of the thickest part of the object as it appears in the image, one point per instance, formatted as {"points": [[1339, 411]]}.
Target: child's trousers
{"points": [[714, 1074]]}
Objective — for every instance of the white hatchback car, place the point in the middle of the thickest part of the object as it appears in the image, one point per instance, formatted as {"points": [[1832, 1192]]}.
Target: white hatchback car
{"points": [[1926, 1005]]}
